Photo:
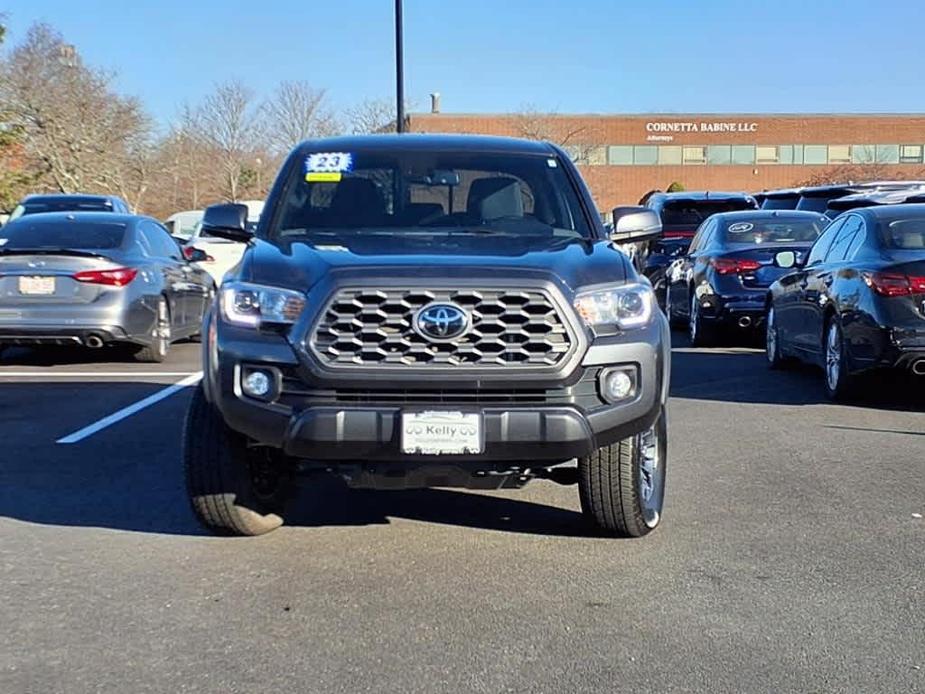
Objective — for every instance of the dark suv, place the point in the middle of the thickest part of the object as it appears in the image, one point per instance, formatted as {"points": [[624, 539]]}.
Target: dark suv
{"points": [[420, 311]]}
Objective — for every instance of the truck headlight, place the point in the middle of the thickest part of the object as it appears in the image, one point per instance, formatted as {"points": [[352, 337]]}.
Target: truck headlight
{"points": [[623, 306], [252, 304]]}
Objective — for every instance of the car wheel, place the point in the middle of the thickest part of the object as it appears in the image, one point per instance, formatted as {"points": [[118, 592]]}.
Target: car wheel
{"points": [[674, 320], [156, 352], [701, 335], [622, 486], [776, 359], [234, 489], [838, 379]]}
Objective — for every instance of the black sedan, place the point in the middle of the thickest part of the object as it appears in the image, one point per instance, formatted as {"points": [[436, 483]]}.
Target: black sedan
{"points": [[723, 279], [858, 301]]}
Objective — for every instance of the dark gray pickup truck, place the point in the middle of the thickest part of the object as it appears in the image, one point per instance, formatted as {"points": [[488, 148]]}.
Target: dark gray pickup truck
{"points": [[419, 311]]}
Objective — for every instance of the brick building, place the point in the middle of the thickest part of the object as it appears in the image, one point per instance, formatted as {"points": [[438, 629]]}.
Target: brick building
{"points": [[624, 156]]}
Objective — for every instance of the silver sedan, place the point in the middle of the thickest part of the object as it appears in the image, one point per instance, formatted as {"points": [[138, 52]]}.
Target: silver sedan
{"points": [[96, 279]]}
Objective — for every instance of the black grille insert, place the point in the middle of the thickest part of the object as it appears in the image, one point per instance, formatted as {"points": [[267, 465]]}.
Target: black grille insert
{"points": [[374, 327]]}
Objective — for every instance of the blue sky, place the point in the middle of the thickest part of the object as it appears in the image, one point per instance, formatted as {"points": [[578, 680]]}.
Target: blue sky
{"points": [[499, 55]]}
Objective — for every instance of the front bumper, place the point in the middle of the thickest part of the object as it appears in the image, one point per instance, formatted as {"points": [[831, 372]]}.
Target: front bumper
{"points": [[323, 422]]}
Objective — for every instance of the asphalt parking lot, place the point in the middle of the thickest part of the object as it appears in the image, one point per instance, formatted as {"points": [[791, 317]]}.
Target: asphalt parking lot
{"points": [[792, 556]]}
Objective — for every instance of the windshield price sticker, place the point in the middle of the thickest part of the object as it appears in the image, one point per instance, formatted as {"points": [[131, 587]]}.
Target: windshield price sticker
{"points": [[328, 163]]}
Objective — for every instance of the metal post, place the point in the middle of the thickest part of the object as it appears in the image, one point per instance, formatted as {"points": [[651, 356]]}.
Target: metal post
{"points": [[399, 70]]}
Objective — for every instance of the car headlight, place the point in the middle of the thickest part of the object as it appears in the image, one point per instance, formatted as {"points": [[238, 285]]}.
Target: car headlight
{"points": [[622, 306], [252, 304]]}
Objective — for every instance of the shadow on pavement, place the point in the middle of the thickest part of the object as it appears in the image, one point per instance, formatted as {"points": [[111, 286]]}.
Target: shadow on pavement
{"points": [[129, 477], [740, 374]]}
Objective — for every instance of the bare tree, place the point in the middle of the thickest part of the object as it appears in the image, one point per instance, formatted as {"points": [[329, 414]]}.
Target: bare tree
{"points": [[374, 116], [582, 142], [296, 112], [73, 125], [229, 122]]}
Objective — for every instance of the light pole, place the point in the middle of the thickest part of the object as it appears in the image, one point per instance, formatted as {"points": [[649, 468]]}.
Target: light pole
{"points": [[399, 70]]}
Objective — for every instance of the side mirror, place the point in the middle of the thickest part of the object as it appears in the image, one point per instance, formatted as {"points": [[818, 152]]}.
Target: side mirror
{"points": [[786, 260], [635, 224], [227, 221]]}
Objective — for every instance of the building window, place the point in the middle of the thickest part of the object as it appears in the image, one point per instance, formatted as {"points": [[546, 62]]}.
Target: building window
{"points": [[669, 156], [887, 154], [839, 154], [766, 155], [719, 154], [910, 154], [645, 155], [595, 155], [695, 155], [620, 155], [743, 154], [863, 154], [798, 154], [815, 154], [785, 154]]}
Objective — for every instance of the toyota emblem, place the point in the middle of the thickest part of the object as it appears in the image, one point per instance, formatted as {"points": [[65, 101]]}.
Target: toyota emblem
{"points": [[441, 322]]}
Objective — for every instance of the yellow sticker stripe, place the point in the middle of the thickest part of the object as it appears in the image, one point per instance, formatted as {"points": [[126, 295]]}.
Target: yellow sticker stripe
{"points": [[323, 176]]}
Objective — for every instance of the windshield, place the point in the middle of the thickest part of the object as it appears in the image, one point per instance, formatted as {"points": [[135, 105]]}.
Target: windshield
{"points": [[429, 192], [818, 203], [905, 235], [25, 235], [689, 214], [772, 231], [65, 205]]}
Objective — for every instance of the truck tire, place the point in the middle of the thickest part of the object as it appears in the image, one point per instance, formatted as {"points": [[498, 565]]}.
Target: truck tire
{"points": [[226, 480], [622, 486]]}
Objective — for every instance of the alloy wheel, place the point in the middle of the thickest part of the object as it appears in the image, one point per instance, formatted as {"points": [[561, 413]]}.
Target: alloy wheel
{"points": [[649, 460], [771, 346], [833, 358], [162, 329]]}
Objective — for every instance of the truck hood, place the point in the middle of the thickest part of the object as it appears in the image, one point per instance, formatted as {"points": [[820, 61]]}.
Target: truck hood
{"points": [[570, 263]]}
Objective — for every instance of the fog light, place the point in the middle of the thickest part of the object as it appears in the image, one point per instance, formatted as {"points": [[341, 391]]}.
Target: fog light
{"points": [[618, 384], [256, 384]]}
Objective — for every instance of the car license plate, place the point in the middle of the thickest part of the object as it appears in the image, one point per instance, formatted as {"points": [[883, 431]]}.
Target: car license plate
{"points": [[37, 285], [441, 433]]}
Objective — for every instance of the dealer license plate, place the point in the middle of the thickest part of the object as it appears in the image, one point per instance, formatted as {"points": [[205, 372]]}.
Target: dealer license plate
{"points": [[441, 433], [41, 286]]}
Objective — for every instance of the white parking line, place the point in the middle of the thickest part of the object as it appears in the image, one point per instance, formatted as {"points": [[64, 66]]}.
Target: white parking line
{"points": [[125, 412], [93, 374]]}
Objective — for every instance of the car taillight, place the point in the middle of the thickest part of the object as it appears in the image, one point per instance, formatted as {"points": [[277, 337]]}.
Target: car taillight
{"points": [[683, 234], [112, 278], [894, 284], [189, 251], [732, 266]]}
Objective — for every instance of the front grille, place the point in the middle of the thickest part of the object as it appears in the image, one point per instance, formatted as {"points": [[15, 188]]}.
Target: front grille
{"points": [[298, 394], [374, 327]]}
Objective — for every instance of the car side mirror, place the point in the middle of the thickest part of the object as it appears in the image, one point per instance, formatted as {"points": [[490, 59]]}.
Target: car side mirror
{"points": [[227, 221], [786, 260], [632, 224]]}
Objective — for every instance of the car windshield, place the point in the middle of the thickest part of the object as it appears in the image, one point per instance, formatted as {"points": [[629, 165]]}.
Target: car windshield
{"points": [[688, 214], [905, 234], [429, 192], [752, 232], [26, 235], [67, 205]]}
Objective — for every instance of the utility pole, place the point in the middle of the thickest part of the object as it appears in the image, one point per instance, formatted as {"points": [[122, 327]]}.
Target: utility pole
{"points": [[399, 70]]}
